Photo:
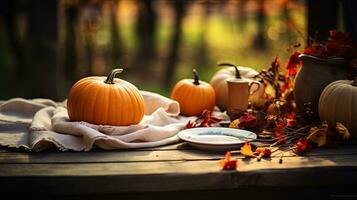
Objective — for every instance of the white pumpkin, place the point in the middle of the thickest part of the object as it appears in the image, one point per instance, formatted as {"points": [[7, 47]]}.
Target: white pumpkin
{"points": [[338, 103], [219, 84]]}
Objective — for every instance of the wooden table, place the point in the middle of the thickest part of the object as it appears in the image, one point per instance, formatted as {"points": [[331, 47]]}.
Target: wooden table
{"points": [[178, 172]]}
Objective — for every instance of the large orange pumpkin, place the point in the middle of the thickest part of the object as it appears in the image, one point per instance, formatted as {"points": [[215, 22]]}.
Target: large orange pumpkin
{"points": [[194, 96], [106, 101]]}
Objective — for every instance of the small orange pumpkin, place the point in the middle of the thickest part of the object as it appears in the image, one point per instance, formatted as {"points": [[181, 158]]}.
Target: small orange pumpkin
{"points": [[194, 96], [106, 101]]}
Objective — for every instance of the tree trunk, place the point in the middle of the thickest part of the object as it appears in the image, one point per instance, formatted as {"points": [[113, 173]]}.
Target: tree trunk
{"points": [[202, 61], [115, 36], [322, 17], [179, 7], [8, 14], [70, 62], [42, 41], [145, 31], [260, 40]]}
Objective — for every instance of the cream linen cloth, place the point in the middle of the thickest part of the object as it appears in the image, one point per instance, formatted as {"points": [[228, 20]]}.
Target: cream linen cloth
{"points": [[42, 123]]}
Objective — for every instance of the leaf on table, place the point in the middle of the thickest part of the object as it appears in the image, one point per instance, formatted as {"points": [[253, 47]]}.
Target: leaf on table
{"points": [[228, 163], [301, 145], [234, 124], [246, 150], [190, 125], [318, 135], [342, 131], [262, 151], [247, 121], [207, 119]]}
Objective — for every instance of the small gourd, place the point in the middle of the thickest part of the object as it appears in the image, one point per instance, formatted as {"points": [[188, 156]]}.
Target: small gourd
{"points": [[194, 96], [105, 101], [338, 103]]}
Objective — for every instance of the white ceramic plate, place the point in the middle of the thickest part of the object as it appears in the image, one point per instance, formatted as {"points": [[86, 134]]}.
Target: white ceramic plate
{"points": [[216, 138]]}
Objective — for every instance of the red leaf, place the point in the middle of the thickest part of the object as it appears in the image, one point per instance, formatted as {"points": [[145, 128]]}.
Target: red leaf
{"points": [[208, 119], [301, 145], [278, 130], [293, 63], [247, 121], [190, 124], [228, 163], [290, 120], [339, 44], [265, 152]]}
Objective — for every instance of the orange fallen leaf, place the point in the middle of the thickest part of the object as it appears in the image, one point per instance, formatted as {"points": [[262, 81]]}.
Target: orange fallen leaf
{"points": [[234, 124], [246, 150], [228, 163], [262, 152]]}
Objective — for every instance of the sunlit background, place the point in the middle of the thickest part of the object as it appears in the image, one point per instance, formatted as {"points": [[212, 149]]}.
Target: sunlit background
{"points": [[46, 47]]}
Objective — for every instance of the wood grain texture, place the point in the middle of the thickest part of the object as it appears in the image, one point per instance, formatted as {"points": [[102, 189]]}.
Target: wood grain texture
{"points": [[168, 169], [177, 176]]}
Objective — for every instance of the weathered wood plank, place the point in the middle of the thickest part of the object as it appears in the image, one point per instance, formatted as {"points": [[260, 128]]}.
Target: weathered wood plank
{"points": [[117, 156], [176, 176]]}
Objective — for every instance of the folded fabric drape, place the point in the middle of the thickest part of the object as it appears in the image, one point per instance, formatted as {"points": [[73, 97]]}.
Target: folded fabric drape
{"points": [[38, 124]]}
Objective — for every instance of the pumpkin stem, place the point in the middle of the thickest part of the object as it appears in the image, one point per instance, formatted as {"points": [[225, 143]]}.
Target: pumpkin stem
{"points": [[238, 76], [354, 83], [196, 79], [112, 74]]}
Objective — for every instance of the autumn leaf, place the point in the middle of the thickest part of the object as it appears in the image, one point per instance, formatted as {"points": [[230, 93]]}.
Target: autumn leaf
{"points": [[190, 125], [273, 109], [342, 131], [204, 120], [262, 152], [208, 119], [247, 121], [293, 63], [269, 91], [228, 163], [234, 124], [301, 145], [278, 130], [290, 120], [246, 150], [318, 135]]}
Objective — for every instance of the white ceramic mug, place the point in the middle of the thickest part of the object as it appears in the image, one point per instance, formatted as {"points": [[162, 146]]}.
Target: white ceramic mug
{"points": [[238, 95]]}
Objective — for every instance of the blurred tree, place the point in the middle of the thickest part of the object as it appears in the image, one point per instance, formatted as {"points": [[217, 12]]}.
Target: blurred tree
{"points": [[260, 42], [8, 11], [350, 16], [91, 23], [242, 14], [70, 57], [179, 9], [287, 21], [116, 48], [202, 61], [322, 17], [145, 31], [42, 53]]}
